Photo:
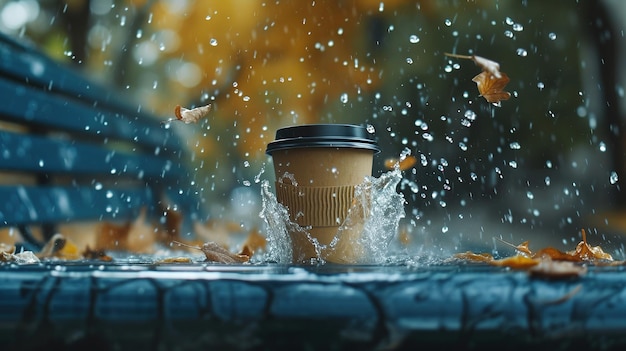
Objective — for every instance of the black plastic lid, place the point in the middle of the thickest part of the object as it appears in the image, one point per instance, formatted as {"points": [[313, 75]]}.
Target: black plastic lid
{"points": [[323, 135]]}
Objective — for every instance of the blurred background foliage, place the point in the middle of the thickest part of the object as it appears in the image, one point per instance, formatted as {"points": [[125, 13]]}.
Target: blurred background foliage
{"points": [[547, 161]]}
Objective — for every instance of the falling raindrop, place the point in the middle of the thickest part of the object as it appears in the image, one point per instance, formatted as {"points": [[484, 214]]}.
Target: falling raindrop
{"points": [[552, 36], [213, 42], [613, 177], [522, 52], [515, 145], [409, 60], [344, 98], [414, 39], [518, 27]]}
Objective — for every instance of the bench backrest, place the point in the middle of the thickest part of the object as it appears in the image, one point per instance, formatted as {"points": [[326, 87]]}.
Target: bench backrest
{"points": [[73, 150]]}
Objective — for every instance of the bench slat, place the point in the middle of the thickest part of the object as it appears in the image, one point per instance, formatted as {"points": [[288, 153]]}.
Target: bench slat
{"points": [[48, 110], [23, 205], [31, 153], [27, 64]]}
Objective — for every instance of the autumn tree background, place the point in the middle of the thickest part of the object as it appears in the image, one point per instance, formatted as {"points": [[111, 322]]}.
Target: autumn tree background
{"points": [[542, 160]]}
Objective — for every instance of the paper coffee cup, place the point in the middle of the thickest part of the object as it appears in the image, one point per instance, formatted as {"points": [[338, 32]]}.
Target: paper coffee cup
{"points": [[317, 168]]}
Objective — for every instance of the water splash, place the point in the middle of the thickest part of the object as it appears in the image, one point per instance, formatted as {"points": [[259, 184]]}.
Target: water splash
{"points": [[376, 200]]}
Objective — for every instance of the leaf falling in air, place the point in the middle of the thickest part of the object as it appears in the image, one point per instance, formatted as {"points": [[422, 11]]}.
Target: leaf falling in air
{"points": [[190, 115], [490, 81], [403, 164]]}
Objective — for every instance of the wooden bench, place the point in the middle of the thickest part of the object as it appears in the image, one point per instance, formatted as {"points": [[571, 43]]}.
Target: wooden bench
{"points": [[72, 150]]}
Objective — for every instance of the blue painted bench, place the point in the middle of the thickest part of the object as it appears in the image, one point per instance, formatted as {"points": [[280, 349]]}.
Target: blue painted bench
{"points": [[72, 150]]}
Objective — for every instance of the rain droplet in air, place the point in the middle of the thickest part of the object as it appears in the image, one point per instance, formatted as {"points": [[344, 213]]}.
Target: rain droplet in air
{"points": [[552, 36], [344, 98], [613, 178], [213, 42], [522, 52], [414, 39]]}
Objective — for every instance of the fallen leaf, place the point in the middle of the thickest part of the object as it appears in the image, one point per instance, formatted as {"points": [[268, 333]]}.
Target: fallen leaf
{"points": [[136, 236], [218, 254], [555, 255], [516, 262], [476, 257], [60, 247], [254, 242], [25, 257], [100, 255], [190, 115], [174, 260], [589, 253]]}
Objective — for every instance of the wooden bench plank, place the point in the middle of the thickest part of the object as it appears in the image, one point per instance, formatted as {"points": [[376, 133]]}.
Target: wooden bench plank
{"points": [[24, 205], [25, 63], [48, 110], [31, 153]]}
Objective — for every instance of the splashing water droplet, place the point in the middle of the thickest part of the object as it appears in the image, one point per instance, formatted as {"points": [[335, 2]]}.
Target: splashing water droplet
{"points": [[344, 98], [213, 42], [613, 177], [552, 36], [518, 27], [414, 39], [522, 52]]}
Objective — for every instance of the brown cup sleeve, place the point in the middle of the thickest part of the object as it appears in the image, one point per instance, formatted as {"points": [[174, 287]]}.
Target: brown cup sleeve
{"points": [[316, 206]]}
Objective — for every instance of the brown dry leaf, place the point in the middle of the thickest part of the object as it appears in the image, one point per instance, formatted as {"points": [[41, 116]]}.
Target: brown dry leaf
{"points": [[521, 248], [190, 115], [217, 231], [25, 257], [589, 253], [516, 262], [403, 164], [492, 88], [4, 248], [100, 255], [216, 253], [476, 257], [60, 247], [254, 242], [174, 260], [112, 236], [490, 81], [172, 225], [136, 236], [555, 255]]}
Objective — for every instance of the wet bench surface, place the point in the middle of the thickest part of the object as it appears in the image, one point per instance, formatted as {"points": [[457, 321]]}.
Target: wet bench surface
{"points": [[269, 307], [73, 150]]}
